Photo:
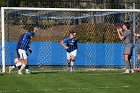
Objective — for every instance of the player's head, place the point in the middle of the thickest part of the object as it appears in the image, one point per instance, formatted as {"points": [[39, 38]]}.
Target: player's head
{"points": [[72, 34], [30, 28], [126, 26], [119, 28]]}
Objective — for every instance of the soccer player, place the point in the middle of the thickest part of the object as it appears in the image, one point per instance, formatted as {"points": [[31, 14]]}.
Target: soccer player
{"points": [[70, 44], [138, 38], [126, 35], [24, 47]]}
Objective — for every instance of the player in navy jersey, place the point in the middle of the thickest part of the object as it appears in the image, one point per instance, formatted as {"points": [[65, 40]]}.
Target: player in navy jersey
{"points": [[70, 44], [16, 60], [23, 48]]}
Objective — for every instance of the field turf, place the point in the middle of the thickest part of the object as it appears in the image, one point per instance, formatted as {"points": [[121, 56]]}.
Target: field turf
{"points": [[66, 82]]}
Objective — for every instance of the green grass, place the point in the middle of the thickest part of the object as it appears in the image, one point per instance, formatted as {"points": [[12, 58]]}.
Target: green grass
{"points": [[65, 82]]}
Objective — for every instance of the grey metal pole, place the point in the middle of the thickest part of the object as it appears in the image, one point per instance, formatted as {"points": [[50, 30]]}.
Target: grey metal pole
{"points": [[134, 40]]}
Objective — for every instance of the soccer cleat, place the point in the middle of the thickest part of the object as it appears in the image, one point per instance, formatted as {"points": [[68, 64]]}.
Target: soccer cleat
{"points": [[19, 72], [127, 71], [10, 70], [139, 69], [132, 71], [27, 72], [136, 69]]}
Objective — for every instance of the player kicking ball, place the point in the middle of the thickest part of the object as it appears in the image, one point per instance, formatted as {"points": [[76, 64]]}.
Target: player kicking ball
{"points": [[70, 44], [17, 65]]}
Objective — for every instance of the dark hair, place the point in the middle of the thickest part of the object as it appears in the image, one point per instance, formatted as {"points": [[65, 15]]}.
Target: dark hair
{"points": [[72, 32], [127, 24], [30, 28]]}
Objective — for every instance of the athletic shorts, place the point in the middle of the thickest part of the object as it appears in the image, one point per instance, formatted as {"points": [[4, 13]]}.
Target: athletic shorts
{"points": [[69, 54], [128, 50], [22, 53]]}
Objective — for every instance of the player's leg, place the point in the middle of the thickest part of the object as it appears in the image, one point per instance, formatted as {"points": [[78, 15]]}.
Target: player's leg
{"points": [[73, 56], [24, 59], [130, 59], [17, 65], [126, 62], [68, 60], [127, 57], [27, 69]]}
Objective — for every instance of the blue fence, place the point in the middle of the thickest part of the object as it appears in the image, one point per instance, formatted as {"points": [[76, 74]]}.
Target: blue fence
{"points": [[48, 53]]}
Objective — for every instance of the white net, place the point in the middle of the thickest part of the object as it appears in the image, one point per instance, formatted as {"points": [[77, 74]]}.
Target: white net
{"points": [[98, 47]]}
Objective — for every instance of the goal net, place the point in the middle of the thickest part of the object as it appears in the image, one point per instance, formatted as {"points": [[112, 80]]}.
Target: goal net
{"points": [[98, 46]]}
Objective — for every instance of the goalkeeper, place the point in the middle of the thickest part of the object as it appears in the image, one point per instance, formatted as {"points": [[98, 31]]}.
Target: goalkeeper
{"points": [[126, 35], [70, 44]]}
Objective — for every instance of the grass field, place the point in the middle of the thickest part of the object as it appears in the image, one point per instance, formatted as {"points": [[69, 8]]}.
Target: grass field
{"points": [[76, 82]]}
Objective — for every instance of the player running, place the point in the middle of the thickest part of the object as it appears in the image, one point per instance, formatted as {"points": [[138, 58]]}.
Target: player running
{"points": [[70, 44], [126, 35]]}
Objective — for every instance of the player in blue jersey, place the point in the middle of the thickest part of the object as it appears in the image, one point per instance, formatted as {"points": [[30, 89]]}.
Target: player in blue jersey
{"points": [[126, 35], [16, 60], [24, 46], [70, 44]]}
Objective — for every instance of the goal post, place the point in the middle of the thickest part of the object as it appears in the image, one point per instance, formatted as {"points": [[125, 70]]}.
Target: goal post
{"points": [[98, 41]]}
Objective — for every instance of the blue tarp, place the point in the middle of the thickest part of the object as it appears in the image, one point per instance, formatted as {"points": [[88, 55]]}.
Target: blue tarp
{"points": [[48, 53]]}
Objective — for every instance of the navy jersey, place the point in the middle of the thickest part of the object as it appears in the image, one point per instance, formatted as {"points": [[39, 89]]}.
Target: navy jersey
{"points": [[20, 41], [26, 41], [71, 44]]}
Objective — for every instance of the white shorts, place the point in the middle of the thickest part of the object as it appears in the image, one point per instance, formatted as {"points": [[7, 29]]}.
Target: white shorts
{"points": [[69, 54], [22, 54]]}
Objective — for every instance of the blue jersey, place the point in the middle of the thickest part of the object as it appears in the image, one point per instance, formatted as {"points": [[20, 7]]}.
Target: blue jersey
{"points": [[26, 41], [71, 44], [20, 41]]}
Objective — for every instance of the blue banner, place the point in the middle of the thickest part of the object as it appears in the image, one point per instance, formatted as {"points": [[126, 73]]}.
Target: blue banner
{"points": [[89, 54]]}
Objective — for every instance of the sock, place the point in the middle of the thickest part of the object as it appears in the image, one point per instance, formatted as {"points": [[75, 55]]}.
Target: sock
{"points": [[126, 64], [22, 67], [27, 70], [18, 67], [13, 67], [27, 67], [71, 67], [72, 63], [130, 64]]}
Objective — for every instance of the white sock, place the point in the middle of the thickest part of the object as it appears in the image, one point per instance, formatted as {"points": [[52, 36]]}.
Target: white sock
{"points": [[22, 67], [70, 69], [72, 63], [13, 67], [27, 70], [18, 64]]}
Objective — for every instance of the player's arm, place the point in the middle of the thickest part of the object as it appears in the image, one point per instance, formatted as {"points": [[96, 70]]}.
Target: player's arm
{"points": [[120, 34], [62, 43], [29, 49]]}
